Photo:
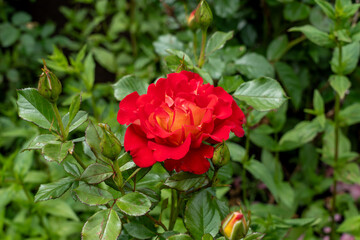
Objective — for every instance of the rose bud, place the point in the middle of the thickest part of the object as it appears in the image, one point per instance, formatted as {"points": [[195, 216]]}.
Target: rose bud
{"points": [[191, 21], [235, 226], [203, 15], [221, 155], [110, 146], [49, 85]]}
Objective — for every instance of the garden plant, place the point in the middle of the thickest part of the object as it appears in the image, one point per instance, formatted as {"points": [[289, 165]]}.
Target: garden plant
{"points": [[178, 120]]}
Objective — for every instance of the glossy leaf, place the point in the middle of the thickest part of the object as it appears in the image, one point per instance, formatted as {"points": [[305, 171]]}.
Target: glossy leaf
{"points": [[350, 115], [88, 75], [74, 109], [53, 190], [92, 195], [254, 65], [35, 108], [327, 8], [263, 94], [127, 85], [184, 181], [96, 173], [179, 237], [103, 225], [134, 204], [78, 120], [340, 84], [40, 141], [314, 35], [139, 231], [201, 215], [57, 151], [217, 41]]}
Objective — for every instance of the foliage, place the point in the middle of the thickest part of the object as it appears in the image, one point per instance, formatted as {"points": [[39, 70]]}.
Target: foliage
{"points": [[291, 65]]}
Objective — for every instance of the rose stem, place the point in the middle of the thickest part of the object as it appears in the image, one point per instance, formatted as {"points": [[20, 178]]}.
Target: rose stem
{"points": [[336, 150], [118, 177], [203, 43]]}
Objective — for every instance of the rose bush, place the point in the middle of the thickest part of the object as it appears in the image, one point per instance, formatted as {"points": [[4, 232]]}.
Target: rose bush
{"points": [[177, 120]]}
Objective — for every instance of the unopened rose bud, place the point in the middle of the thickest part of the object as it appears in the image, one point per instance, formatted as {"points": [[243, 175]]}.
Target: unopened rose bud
{"points": [[49, 85], [235, 226], [221, 155], [110, 146], [203, 15], [191, 21]]}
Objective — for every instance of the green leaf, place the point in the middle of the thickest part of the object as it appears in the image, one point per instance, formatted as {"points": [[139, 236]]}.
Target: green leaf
{"points": [[349, 59], [88, 75], [277, 48], [103, 225], [74, 109], [207, 237], [350, 115], [57, 151], [237, 152], [78, 120], [263, 94], [204, 74], [230, 83], [53, 190], [340, 84], [302, 133], [58, 208], [184, 181], [127, 85], [343, 35], [22, 163], [139, 231], [217, 41], [40, 141], [296, 11], [291, 82], [327, 8], [165, 42], [20, 18], [351, 224], [35, 108], [254, 236], [96, 173], [281, 190], [93, 135], [71, 168], [314, 35], [254, 65], [180, 56], [134, 204], [105, 58], [319, 106], [92, 195], [201, 215], [350, 173], [180, 237], [8, 34]]}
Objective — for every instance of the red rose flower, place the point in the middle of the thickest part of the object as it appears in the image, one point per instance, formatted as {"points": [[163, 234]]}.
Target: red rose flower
{"points": [[172, 122]]}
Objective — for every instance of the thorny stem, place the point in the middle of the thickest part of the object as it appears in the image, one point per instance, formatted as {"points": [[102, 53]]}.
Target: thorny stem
{"points": [[336, 152], [58, 118], [203, 43], [78, 159], [156, 221]]}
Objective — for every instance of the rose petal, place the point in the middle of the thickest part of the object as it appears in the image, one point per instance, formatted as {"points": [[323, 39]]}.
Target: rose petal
{"points": [[195, 161], [128, 109], [163, 152], [136, 142]]}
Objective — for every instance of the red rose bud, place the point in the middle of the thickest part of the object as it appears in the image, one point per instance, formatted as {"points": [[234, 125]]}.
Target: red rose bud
{"points": [[191, 21], [49, 85], [110, 146], [235, 226], [203, 15], [221, 155]]}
